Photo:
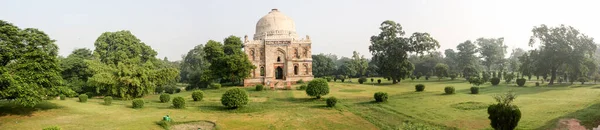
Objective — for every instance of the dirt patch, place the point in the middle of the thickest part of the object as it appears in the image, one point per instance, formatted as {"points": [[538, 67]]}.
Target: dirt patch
{"points": [[197, 125], [569, 124]]}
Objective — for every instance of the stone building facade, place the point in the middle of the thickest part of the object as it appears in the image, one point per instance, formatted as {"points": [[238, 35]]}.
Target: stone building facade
{"points": [[280, 56]]}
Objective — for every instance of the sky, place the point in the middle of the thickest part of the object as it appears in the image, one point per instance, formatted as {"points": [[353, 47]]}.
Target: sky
{"points": [[338, 27]]}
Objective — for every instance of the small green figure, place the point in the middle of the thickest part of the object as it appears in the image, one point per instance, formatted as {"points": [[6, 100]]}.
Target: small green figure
{"points": [[166, 118]]}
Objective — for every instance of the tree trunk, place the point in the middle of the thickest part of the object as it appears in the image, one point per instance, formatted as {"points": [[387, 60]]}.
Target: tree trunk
{"points": [[553, 77]]}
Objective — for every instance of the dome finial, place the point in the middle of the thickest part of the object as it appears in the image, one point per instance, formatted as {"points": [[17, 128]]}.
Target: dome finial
{"points": [[274, 9]]}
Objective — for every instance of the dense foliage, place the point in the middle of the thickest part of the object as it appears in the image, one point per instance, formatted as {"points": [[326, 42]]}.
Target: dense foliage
{"points": [[126, 67], [179, 102], [380, 96], [521, 82], [361, 80], [194, 68], [317, 88], [29, 68], [302, 87], [63, 97], [495, 81], [419, 87], [228, 61], [215, 86], [234, 98], [198, 95], [331, 101]]}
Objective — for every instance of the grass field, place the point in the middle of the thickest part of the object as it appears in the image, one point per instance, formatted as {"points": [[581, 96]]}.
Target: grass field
{"points": [[541, 108]]}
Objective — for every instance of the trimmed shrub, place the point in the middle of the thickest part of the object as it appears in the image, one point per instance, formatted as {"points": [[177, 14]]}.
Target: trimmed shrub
{"points": [[328, 78], [495, 81], [83, 98], [177, 90], [420, 87], [165, 98], [197, 95], [52, 128], [361, 80], [449, 90], [372, 80], [178, 102], [521, 82], [331, 101], [107, 100], [379, 81], [234, 98], [260, 87], [474, 90], [380, 96], [302, 87], [504, 115], [476, 81], [137, 103], [453, 76], [172, 89], [300, 81], [537, 83], [215, 86], [63, 97], [317, 88]]}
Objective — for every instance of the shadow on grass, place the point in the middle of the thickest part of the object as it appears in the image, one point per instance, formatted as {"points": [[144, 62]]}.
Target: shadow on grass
{"points": [[518, 90], [243, 109], [299, 100], [589, 118], [11, 108]]}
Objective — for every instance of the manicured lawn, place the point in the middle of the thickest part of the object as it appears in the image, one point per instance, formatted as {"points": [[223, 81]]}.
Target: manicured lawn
{"points": [[541, 108]]}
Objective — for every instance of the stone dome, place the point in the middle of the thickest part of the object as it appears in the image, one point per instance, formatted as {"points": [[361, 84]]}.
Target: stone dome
{"points": [[275, 23]]}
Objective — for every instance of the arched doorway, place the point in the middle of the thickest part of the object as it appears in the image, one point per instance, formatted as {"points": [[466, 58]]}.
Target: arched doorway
{"points": [[279, 73]]}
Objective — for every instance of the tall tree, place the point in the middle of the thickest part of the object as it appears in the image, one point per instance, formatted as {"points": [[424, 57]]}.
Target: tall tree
{"points": [[322, 66], [513, 60], [441, 70], [29, 68], [492, 51], [561, 45], [451, 59], [228, 61], [391, 50], [467, 61], [75, 71], [359, 64], [126, 67], [194, 68]]}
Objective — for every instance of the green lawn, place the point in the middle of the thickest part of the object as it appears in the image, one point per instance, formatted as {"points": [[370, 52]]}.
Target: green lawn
{"points": [[541, 108]]}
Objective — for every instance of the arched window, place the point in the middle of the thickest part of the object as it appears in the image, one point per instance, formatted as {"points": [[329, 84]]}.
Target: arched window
{"points": [[295, 69], [262, 71], [278, 59]]}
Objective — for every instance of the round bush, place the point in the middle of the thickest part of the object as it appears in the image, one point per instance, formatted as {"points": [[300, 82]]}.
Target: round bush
{"points": [[317, 88], [137, 103], [537, 83], [380, 96], [379, 81], [215, 86], [449, 90], [178, 102], [495, 81], [474, 90], [372, 80], [504, 117], [521, 82], [52, 128], [331, 101], [197, 95], [234, 98], [420, 87], [361, 80], [177, 90], [260, 87], [107, 100], [165, 98], [63, 97], [83, 98], [302, 87]]}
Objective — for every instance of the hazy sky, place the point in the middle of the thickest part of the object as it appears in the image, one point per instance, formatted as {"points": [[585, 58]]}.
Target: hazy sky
{"points": [[335, 26]]}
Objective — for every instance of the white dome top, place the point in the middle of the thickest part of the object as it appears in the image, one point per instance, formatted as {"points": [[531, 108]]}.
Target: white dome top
{"points": [[275, 23]]}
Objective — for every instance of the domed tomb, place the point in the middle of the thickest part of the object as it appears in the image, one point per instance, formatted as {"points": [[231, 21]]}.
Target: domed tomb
{"points": [[275, 24]]}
